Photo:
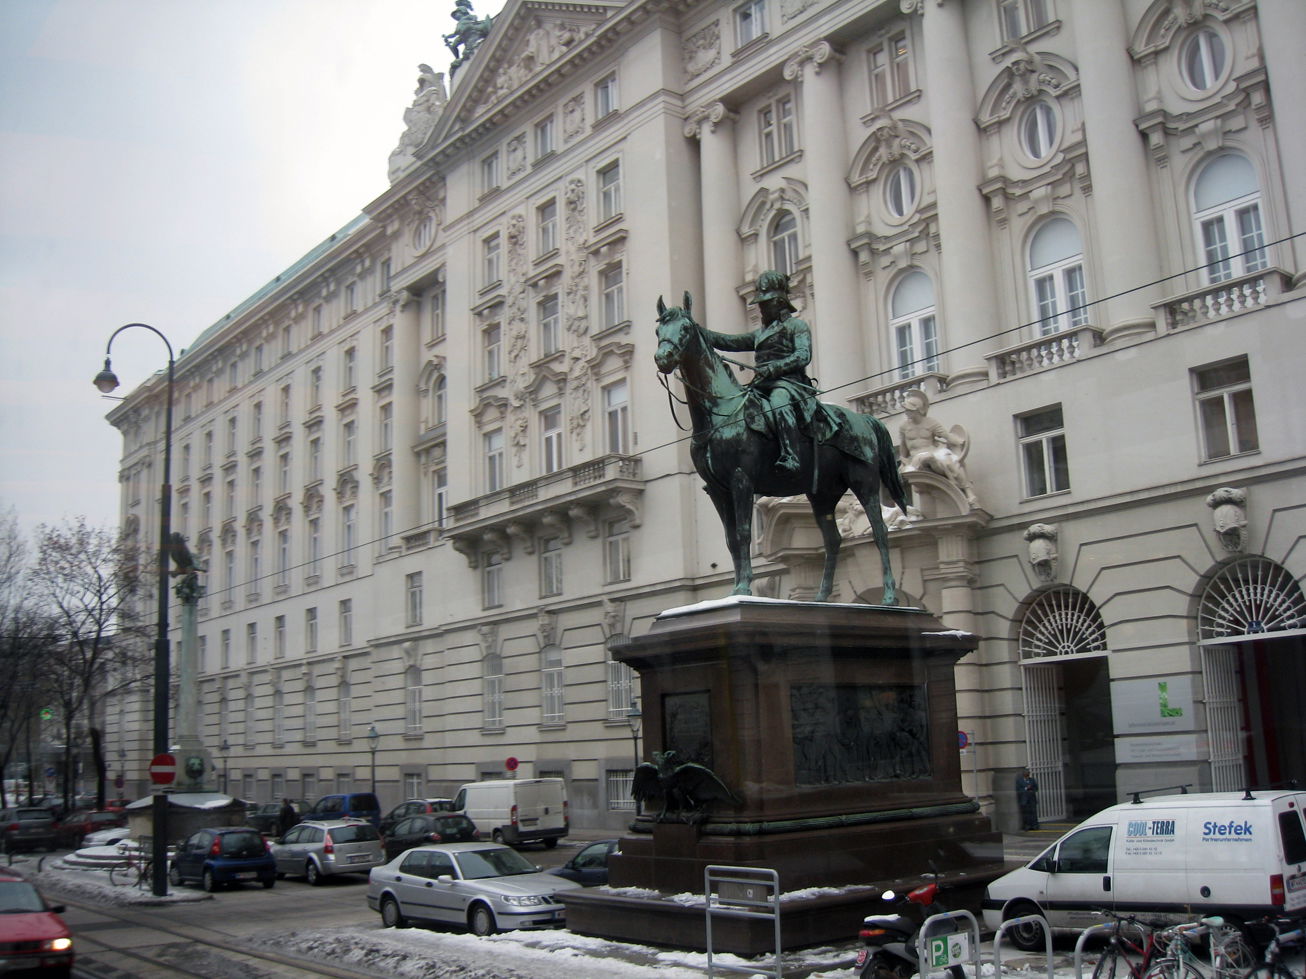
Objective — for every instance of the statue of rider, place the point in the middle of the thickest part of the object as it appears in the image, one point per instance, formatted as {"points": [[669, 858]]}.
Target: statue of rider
{"points": [[782, 350]]}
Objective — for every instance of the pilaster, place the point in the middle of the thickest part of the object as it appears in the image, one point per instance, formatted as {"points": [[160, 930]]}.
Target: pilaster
{"points": [[714, 127]]}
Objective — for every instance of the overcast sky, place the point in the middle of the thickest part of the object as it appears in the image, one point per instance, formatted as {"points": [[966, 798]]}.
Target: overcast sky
{"points": [[160, 160]]}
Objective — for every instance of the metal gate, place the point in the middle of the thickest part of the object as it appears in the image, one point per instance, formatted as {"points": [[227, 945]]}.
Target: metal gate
{"points": [[1223, 717], [1043, 737]]}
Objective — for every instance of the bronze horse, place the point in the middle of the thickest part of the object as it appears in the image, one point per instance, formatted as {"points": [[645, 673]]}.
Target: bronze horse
{"points": [[737, 462]]}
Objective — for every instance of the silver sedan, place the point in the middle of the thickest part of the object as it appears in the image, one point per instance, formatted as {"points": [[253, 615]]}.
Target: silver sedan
{"points": [[485, 886]]}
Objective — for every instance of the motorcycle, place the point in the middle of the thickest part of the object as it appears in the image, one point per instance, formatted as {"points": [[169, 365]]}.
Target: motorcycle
{"points": [[890, 939]]}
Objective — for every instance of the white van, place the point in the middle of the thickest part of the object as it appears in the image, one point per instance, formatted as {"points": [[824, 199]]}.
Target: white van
{"points": [[516, 810], [1172, 858]]}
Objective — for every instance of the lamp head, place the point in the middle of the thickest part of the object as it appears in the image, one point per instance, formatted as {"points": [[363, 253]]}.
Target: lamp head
{"points": [[106, 380]]}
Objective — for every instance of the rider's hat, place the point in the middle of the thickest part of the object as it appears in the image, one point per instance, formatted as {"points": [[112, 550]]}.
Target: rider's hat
{"points": [[773, 285]]}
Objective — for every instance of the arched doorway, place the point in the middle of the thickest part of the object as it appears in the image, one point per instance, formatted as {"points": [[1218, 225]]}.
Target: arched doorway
{"points": [[1068, 724], [1251, 623]]}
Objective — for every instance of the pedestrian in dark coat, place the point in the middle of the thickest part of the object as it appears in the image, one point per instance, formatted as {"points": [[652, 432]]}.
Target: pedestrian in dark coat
{"points": [[287, 817], [1027, 799]]}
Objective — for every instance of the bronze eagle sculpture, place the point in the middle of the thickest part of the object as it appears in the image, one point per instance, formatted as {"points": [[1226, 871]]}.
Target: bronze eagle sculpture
{"points": [[684, 788]]}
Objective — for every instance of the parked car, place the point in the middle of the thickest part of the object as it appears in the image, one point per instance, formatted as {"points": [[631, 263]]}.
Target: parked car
{"points": [[346, 805], [413, 807], [28, 828], [223, 855], [76, 825], [589, 867], [431, 827], [485, 886], [106, 837], [33, 938], [317, 849], [266, 816]]}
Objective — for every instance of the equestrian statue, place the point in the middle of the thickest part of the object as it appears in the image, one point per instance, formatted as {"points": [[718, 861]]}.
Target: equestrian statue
{"points": [[771, 436]]}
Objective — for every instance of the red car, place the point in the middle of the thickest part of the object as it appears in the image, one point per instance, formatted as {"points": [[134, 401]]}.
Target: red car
{"points": [[32, 935], [77, 824]]}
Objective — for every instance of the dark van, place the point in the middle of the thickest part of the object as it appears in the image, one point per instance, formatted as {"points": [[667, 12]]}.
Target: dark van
{"points": [[354, 805]]}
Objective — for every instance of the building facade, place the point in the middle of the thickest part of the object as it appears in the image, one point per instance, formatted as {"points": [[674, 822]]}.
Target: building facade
{"points": [[431, 472]]}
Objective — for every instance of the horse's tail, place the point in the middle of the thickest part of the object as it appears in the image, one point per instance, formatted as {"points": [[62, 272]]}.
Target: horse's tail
{"points": [[886, 456]]}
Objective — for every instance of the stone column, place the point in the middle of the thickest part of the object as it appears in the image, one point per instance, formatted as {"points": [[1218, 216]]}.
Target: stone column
{"points": [[405, 482], [1117, 157], [714, 127], [194, 761], [1283, 26], [969, 300], [836, 321]]}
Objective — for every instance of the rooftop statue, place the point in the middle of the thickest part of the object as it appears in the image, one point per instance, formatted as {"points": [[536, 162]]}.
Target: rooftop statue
{"points": [[771, 436], [429, 100], [469, 33]]}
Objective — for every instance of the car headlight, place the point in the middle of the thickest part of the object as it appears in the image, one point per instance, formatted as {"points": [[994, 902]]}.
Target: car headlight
{"points": [[525, 900], [57, 945]]}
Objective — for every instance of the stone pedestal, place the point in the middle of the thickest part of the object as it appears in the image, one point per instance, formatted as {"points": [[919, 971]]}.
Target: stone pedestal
{"points": [[835, 726]]}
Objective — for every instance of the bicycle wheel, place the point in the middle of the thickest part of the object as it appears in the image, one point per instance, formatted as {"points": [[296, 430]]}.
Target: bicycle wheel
{"points": [[122, 875], [1112, 965], [1233, 957], [1170, 967]]}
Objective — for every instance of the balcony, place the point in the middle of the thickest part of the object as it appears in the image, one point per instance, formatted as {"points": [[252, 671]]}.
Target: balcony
{"points": [[1043, 352], [555, 504], [1224, 299]]}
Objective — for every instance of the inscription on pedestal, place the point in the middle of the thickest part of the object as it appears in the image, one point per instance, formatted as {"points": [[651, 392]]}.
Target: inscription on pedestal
{"points": [[687, 721]]}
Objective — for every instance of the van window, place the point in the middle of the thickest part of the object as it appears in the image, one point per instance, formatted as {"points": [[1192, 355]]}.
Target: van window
{"points": [[363, 800], [1294, 838], [1085, 852], [460, 803]]}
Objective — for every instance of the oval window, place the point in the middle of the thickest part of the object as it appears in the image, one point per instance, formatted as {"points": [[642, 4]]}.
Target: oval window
{"points": [[1204, 60], [1038, 131], [900, 191]]}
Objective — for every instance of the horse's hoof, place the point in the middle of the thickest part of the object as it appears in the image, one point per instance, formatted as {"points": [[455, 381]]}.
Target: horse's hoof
{"points": [[742, 590]]}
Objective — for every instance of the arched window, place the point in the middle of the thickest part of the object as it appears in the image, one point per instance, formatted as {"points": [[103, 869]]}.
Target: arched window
{"points": [[1039, 131], [784, 243], [492, 691], [1061, 622], [1250, 596], [1056, 276], [1227, 212], [912, 321], [413, 700], [900, 191], [1203, 60]]}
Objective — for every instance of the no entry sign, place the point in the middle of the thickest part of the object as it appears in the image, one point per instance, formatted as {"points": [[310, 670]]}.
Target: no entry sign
{"points": [[163, 769]]}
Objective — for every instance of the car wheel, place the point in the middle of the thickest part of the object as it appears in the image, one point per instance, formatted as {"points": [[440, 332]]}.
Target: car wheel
{"points": [[210, 884], [269, 883], [550, 843], [497, 836], [174, 876], [1027, 937], [280, 875], [481, 920], [391, 915], [312, 874]]}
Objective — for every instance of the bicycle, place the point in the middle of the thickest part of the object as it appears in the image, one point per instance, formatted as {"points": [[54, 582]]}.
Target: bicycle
{"points": [[1178, 961], [1272, 965], [1117, 959], [138, 867]]}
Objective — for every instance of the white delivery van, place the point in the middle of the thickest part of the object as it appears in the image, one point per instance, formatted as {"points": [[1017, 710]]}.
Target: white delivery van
{"points": [[1171, 858], [516, 810]]}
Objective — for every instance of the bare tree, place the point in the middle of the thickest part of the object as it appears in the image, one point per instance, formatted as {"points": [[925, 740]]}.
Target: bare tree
{"points": [[88, 580]]}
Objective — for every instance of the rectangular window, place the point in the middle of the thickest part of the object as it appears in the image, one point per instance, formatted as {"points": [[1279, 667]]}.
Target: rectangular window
{"points": [[279, 637], [225, 650], [619, 784], [776, 129], [386, 426], [612, 284], [890, 70], [552, 686], [1043, 452], [918, 345], [283, 472], [251, 642], [620, 690], [315, 387], [435, 313], [550, 566], [283, 405], [387, 351], [546, 224], [253, 582], [610, 204], [605, 96], [386, 271], [232, 432], [283, 558], [551, 440], [413, 603], [349, 368], [1225, 410], [616, 417], [287, 341], [310, 630], [202, 655], [750, 21], [550, 324], [492, 351], [1020, 17], [616, 551], [348, 533], [256, 422], [493, 450], [490, 173], [313, 554], [349, 442], [314, 459], [346, 611], [206, 457], [440, 496], [492, 580], [351, 297], [544, 138], [385, 520], [490, 254]]}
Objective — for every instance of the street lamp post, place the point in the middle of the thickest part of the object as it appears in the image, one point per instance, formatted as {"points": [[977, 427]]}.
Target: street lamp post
{"points": [[225, 749], [633, 718], [373, 742], [107, 381]]}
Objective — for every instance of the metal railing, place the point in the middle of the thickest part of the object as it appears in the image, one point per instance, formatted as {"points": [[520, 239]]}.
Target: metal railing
{"points": [[742, 892]]}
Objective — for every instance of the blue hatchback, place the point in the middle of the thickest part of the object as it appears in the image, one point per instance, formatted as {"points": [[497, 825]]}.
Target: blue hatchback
{"points": [[223, 855]]}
